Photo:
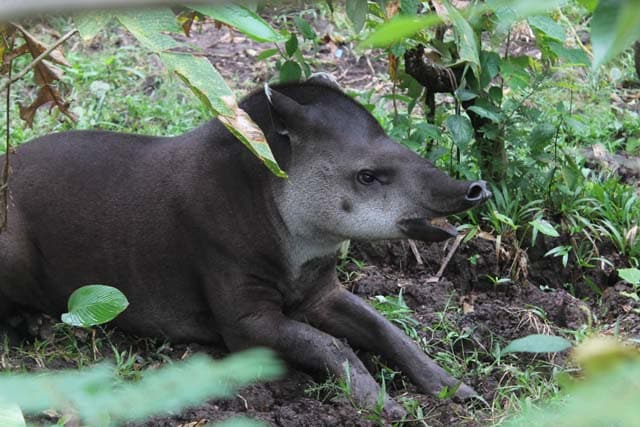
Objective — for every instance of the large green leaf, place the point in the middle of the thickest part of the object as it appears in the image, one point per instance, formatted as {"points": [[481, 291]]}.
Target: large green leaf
{"points": [[149, 26], [631, 275], [399, 28], [468, 45], [610, 399], [548, 26], [10, 415], [544, 227], [94, 305], [573, 56], [290, 72], [542, 135], [242, 18], [357, 13], [205, 81], [461, 130], [90, 23], [486, 112], [615, 25], [537, 343], [521, 8], [92, 395], [305, 28]]}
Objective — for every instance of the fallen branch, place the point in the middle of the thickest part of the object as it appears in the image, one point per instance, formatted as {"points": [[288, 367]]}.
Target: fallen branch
{"points": [[447, 259], [434, 77], [416, 252], [4, 179], [452, 251]]}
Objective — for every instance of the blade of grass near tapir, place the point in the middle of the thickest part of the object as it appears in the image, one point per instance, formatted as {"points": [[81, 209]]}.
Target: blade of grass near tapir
{"points": [[94, 305]]}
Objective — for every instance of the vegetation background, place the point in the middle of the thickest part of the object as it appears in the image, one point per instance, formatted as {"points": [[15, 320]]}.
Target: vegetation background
{"points": [[540, 99]]}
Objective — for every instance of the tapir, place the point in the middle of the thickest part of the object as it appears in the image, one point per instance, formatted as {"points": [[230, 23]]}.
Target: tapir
{"points": [[208, 245]]}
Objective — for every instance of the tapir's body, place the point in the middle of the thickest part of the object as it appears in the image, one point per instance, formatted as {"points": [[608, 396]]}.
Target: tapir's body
{"points": [[206, 243]]}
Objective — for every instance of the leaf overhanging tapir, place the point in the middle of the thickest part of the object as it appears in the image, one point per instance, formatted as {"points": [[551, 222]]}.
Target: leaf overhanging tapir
{"points": [[208, 245]]}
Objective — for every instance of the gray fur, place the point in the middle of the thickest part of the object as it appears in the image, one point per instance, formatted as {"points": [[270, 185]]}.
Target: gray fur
{"points": [[208, 245]]}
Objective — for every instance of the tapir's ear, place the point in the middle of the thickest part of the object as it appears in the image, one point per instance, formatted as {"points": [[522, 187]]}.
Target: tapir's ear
{"points": [[324, 79], [287, 110]]}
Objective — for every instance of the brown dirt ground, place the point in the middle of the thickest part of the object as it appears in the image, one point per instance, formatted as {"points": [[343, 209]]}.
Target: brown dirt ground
{"points": [[489, 315]]}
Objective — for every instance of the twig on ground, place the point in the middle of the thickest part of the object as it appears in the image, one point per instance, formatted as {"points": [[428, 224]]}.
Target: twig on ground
{"points": [[446, 260], [416, 253]]}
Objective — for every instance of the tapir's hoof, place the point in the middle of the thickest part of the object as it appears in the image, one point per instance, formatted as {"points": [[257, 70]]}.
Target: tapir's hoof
{"points": [[465, 393], [392, 411]]}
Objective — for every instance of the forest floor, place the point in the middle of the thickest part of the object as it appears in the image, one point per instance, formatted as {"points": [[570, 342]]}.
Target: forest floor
{"points": [[462, 316]]}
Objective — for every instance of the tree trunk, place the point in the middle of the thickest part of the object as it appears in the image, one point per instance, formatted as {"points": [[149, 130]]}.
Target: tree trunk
{"points": [[439, 79]]}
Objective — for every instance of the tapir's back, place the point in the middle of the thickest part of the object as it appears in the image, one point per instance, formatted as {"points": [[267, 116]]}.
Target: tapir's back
{"points": [[101, 207]]}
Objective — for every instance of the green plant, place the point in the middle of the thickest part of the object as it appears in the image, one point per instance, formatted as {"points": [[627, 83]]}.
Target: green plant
{"points": [[631, 276], [93, 305], [150, 27], [607, 365], [509, 211], [348, 267], [126, 362], [99, 399], [396, 310]]}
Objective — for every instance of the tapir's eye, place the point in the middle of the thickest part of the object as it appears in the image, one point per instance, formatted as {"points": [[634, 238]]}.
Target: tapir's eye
{"points": [[366, 177]]}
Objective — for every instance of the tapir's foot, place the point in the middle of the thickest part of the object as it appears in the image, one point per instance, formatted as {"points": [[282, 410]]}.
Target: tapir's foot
{"points": [[465, 393], [392, 411], [366, 393], [433, 380], [12, 333]]}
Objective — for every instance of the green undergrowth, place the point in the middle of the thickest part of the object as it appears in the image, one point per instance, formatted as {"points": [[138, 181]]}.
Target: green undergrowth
{"points": [[113, 87], [583, 215]]}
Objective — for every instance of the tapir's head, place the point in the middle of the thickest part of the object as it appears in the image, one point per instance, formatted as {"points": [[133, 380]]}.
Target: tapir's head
{"points": [[349, 180]]}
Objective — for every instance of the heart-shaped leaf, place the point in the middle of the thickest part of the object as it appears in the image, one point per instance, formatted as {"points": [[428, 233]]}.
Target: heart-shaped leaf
{"points": [[94, 305]]}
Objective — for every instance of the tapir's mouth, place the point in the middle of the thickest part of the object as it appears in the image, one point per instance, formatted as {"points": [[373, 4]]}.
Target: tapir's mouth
{"points": [[428, 230]]}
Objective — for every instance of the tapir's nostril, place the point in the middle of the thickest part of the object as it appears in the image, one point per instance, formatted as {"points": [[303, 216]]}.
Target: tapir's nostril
{"points": [[478, 192]]}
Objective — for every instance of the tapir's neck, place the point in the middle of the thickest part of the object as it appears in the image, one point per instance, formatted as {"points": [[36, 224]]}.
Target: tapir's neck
{"points": [[259, 191], [300, 252], [301, 244]]}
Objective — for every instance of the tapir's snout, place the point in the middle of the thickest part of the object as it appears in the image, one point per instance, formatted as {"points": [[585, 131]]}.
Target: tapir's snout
{"points": [[450, 197], [477, 192]]}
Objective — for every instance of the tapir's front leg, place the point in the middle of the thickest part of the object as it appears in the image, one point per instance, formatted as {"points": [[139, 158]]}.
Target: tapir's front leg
{"points": [[300, 343], [342, 314]]}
